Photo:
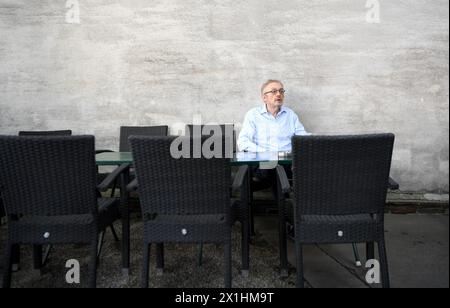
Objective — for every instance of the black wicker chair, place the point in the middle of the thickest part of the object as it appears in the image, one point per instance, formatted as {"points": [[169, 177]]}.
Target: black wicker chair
{"points": [[186, 200], [66, 132], [339, 189], [48, 186], [125, 132], [39, 258], [228, 147], [226, 130]]}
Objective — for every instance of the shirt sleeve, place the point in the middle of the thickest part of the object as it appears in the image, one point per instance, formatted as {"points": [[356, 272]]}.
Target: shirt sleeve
{"points": [[299, 128], [247, 134]]}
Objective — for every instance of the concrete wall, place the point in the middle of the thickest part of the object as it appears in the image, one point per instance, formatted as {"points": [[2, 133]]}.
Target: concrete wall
{"points": [[145, 62]]}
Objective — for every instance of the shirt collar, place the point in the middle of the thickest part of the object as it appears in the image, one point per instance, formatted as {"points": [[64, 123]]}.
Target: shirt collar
{"points": [[263, 109]]}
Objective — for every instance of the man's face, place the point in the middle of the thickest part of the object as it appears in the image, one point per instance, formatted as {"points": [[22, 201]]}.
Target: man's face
{"points": [[273, 95]]}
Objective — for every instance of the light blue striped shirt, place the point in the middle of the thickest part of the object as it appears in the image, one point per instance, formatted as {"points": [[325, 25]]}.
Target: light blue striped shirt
{"points": [[262, 132]]}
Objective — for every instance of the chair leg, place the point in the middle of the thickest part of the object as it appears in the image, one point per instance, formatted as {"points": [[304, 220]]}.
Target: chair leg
{"points": [[113, 231], [370, 251], [284, 271], [46, 254], [160, 258], [300, 283], [125, 218], [113, 190], [15, 257], [200, 254], [245, 249], [93, 264], [15, 250], [252, 218], [282, 243], [227, 261], [7, 266], [100, 243], [356, 254], [383, 264], [250, 204], [37, 257], [145, 265]]}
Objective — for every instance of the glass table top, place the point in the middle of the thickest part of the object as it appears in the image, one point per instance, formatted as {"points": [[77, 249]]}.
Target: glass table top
{"points": [[239, 158]]}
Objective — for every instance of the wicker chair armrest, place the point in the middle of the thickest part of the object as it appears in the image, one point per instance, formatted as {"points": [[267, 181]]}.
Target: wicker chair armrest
{"points": [[106, 183], [393, 185], [132, 186], [283, 180], [239, 180]]}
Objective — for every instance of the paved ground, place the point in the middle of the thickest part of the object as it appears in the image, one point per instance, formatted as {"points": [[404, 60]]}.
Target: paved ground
{"points": [[417, 247]]}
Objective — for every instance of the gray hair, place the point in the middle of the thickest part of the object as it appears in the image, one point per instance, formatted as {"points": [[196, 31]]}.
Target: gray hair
{"points": [[265, 84]]}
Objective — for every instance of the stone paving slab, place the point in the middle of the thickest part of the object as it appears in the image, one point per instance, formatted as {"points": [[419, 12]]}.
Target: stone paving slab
{"points": [[417, 248]]}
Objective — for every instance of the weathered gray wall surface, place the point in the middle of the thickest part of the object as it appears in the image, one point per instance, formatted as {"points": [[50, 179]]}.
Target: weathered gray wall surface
{"points": [[145, 62]]}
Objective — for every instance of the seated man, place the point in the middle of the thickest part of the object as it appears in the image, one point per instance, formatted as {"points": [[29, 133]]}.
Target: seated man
{"points": [[270, 127]]}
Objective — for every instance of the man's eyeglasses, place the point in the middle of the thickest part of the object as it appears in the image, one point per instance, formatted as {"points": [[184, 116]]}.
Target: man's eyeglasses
{"points": [[274, 92]]}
